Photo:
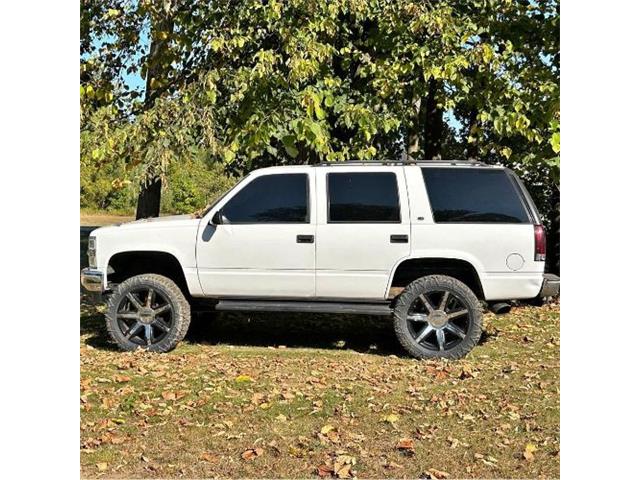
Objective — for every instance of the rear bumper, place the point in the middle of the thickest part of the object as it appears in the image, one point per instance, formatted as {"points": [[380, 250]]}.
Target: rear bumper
{"points": [[91, 280], [550, 286]]}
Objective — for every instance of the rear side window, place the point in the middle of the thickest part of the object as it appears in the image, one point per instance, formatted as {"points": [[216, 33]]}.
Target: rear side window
{"points": [[278, 198], [473, 195], [363, 197]]}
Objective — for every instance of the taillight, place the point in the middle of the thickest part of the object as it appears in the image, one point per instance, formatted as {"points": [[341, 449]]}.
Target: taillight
{"points": [[540, 243]]}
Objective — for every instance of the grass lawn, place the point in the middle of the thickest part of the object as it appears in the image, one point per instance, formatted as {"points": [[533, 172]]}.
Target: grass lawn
{"points": [[100, 219], [267, 396]]}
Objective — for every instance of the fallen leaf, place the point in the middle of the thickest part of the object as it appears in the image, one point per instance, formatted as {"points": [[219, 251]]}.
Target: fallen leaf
{"points": [[169, 395], [438, 473], [467, 372], [333, 436], [344, 472], [392, 465], [326, 429], [121, 378], [406, 445], [209, 457], [243, 379], [325, 471], [453, 441], [274, 445], [252, 453], [342, 466], [391, 418], [102, 466], [528, 452]]}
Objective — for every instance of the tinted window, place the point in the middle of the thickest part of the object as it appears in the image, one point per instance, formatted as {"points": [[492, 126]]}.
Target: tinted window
{"points": [[278, 198], [361, 197], [473, 195]]}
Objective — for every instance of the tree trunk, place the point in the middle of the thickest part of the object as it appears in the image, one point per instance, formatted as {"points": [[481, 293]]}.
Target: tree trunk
{"points": [[151, 190], [473, 148], [433, 123], [553, 235], [149, 199], [413, 143]]}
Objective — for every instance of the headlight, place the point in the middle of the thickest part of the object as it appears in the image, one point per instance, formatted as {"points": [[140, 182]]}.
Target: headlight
{"points": [[91, 252]]}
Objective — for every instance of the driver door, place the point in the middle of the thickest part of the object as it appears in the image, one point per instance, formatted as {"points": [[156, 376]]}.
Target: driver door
{"points": [[265, 246]]}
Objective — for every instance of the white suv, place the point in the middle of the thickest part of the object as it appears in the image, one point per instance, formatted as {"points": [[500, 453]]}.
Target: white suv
{"points": [[423, 242]]}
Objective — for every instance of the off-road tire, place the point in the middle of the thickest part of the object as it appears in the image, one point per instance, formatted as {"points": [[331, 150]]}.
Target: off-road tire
{"points": [[428, 284], [180, 306]]}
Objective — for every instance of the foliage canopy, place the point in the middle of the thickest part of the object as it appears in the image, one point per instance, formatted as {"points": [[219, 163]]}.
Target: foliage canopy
{"points": [[250, 83]]}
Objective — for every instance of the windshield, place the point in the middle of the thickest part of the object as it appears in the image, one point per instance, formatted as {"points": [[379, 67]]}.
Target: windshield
{"points": [[203, 211]]}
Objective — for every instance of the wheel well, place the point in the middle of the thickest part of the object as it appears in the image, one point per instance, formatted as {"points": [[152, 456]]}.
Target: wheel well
{"points": [[414, 268], [128, 264]]}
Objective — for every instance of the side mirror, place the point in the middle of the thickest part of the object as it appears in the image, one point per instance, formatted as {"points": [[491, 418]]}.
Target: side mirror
{"points": [[217, 219]]}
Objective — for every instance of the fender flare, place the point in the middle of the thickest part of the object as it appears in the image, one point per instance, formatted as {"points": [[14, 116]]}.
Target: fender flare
{"points": [[438, 254]]}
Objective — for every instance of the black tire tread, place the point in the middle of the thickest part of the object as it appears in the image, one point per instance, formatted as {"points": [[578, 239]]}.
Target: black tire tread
{"points": [[183, 312], [422, 285]]}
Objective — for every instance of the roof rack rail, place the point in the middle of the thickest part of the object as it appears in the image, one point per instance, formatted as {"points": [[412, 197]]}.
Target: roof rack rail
{"points": [[408, 161]]}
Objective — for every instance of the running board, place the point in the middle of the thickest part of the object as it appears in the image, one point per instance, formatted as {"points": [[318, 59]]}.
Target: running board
{"points": [[309, 307]]}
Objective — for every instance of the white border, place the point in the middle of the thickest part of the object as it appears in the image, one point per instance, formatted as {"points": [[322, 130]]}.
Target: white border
{"points": [[39, 241], [600, 238]]}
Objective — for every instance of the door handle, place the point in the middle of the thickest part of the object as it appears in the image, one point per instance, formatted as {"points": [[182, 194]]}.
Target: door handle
{"points": [[399, 239], [304, 239]]}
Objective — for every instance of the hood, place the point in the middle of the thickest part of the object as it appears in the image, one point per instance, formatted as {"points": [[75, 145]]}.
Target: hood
{"points": [[168, 218], [157, 222]]}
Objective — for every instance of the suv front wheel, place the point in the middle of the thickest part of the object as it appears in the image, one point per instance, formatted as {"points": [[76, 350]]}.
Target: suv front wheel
{"points": [[438, 317], [148, 311]]}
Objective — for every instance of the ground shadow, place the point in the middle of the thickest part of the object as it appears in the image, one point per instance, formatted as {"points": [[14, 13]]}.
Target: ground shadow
{"points": [[362, 333], [92, 323]]}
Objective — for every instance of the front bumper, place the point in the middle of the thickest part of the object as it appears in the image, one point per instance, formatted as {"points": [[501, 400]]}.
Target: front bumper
{"points": [[91, 280], [550, 286]]}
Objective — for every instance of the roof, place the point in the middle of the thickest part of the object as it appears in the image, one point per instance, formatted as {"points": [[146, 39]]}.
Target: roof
{"points": [[465, 163], [384, 163]]}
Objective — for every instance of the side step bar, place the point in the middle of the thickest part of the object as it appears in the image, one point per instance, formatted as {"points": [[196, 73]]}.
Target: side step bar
{"points": [[310, 307]]}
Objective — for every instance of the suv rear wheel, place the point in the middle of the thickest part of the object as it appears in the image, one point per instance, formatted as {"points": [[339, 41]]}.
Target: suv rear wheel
{"points": [[148, 311], [438, 317]]}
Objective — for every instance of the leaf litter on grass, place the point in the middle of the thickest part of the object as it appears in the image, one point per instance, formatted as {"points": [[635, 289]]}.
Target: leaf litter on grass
{"points": [[251, 411]]}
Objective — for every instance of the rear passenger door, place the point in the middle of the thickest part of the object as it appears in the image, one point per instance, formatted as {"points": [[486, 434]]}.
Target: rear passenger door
{"points": [[362, 232]]}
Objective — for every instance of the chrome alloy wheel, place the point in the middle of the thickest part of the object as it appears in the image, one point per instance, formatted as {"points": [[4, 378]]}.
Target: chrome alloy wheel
{"points": [[145, 316], [438, 320]]}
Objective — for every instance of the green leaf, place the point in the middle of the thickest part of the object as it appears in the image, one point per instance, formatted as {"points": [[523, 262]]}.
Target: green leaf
{"points": [[289, 142], [319, 111], [328, 100], [316, 129], [217, 44], [291, 151], [555, 142], [229, 155]]}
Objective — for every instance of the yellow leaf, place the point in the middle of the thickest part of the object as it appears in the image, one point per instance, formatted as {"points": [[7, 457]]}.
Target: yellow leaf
{"points": [[528, 452], [391, 418], [102, 466], [326, 429], [243, 379]]}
